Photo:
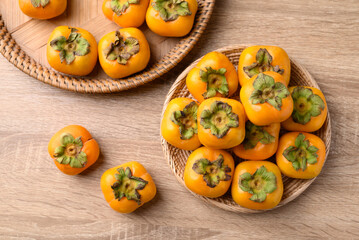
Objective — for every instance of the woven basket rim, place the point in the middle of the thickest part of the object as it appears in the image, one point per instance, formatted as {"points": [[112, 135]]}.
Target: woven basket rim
{"points": [[215, 202], [15, 55]]}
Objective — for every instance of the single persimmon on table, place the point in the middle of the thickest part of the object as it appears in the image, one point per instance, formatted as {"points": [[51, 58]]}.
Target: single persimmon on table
{"points": [[73, 149]]}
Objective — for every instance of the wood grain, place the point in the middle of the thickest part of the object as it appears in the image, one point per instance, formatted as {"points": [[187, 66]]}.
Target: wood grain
{"points": [[39, 202]]}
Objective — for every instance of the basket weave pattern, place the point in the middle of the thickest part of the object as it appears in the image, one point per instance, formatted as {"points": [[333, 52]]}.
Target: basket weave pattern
{"points": [[177, 158], [14, 54]]}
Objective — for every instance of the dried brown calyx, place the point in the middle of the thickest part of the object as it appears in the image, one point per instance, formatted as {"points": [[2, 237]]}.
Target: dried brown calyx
{"points": [[122, 49]]}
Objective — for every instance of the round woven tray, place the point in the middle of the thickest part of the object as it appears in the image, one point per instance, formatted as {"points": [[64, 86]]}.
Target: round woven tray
{"points": [[14, 54], [177, 158]]}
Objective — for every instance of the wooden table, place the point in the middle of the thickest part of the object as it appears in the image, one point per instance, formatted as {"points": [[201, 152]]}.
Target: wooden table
{"points": [[39, 202]]}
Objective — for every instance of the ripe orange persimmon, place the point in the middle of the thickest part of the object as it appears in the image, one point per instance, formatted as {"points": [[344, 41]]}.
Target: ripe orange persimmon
{"points": [[123, 52], [43, 9], [127, 187], [73, 149], [126, 13], [72, 51]]}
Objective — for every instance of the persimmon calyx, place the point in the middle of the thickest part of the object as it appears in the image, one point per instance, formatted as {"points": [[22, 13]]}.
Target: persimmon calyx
{"points": [[69, 152], [306, 105], [120, 7], [216, 82], [186, 120], [122, 49], [39, 3], [213, 172], [261, 183], [255, 134], [219, 118], [74, 45], [170, 10], [301, 154], [263, 63], [128, 185], [267, 90]]}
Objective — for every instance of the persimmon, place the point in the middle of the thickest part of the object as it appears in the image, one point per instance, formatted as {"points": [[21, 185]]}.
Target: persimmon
{"points": [[300, 155], [221, 123], [72, 50], [73, 149], [259, 59], [126, 13], [208, 172], [127, 187], [257, 185], [171, 18], [179, 124], [310, 110], [213, 76], [43, 9], [266, 99], [123, 52]]}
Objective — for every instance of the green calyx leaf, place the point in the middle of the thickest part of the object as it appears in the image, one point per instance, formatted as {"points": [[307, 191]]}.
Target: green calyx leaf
{"points": [[186, 120], [255, 134], [213, 172], [39, 3], [306, 105], [267, 90], [219, 118], [122, 50], [261, 183], [120, 7], [73, 46], [128, 185], [216, 82], [69, 152], [263, 63], [301, 154], [170, 10]]}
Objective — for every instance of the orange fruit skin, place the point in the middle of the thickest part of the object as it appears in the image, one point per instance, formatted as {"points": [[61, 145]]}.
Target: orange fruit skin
{"points": [[82, 65], [216, 61], [315, 123], [265, 114], [177, 28], [279, 58], [170, 131], [53, 9], [134, 16], [286, 166], [90, 147], [242, 198], [135, 64], [124, 205], [195, 182]]}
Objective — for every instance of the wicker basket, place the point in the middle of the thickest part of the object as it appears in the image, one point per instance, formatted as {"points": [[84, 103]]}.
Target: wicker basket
{"points": [[177, 158], [14, 54]]}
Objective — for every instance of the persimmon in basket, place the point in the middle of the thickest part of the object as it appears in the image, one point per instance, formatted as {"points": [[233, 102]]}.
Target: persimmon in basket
{"points": [[171, 18], [72, 50], [43, 9], [123, 52], [126, 13]]}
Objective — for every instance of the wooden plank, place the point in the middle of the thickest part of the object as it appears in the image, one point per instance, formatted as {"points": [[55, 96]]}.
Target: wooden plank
{"points": [[39, 202]]}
